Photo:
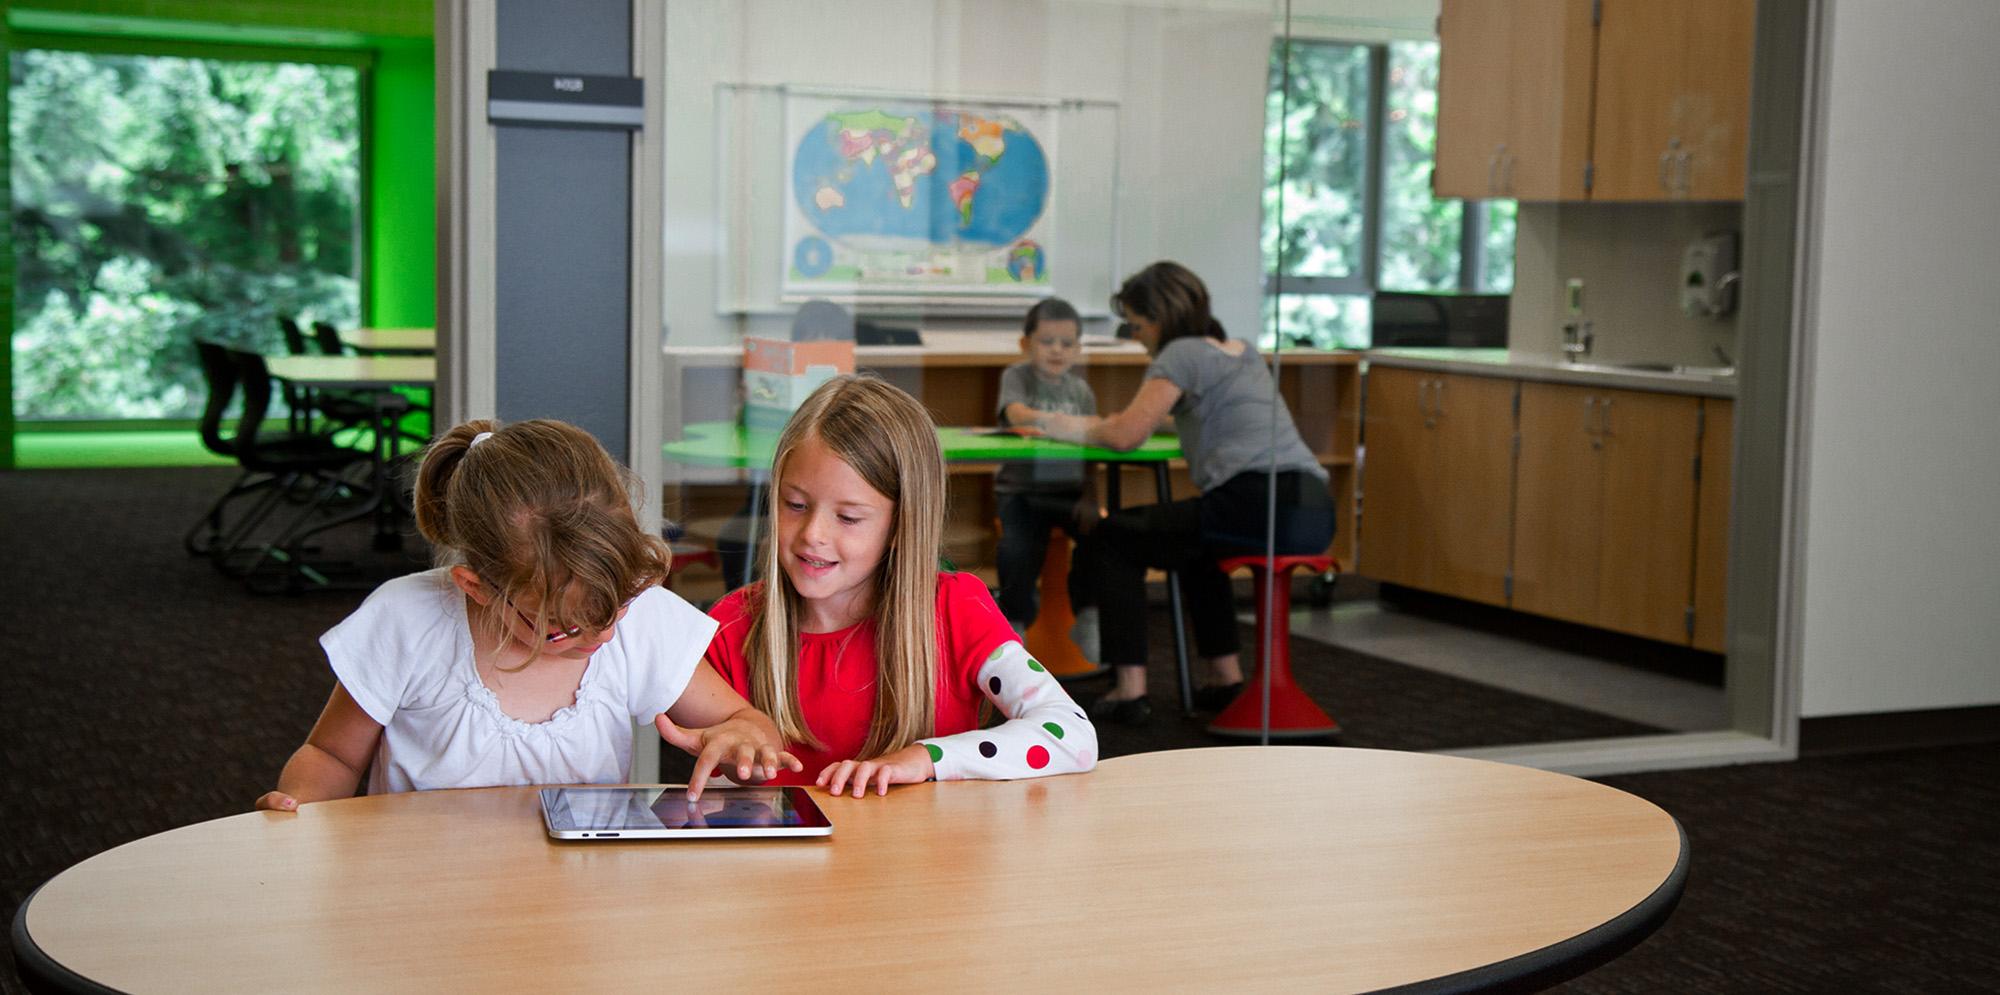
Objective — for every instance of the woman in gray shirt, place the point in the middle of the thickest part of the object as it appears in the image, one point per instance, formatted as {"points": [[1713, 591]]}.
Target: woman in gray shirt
{"points": [[1239, 441]]}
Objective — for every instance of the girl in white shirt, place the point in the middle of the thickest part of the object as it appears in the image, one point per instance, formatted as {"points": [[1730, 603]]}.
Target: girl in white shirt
{"points": [[527, 658]]}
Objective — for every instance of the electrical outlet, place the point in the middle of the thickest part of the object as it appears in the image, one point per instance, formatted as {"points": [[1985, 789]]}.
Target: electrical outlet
{"points": [[1573, 296]]}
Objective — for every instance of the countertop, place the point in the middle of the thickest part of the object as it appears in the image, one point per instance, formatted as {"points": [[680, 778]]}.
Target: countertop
{"points": [[1701, 382]]}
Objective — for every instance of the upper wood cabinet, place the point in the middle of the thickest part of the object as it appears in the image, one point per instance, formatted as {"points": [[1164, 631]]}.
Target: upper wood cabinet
{"points": [[1673, 100], [1604, 100], [1513, 99]]}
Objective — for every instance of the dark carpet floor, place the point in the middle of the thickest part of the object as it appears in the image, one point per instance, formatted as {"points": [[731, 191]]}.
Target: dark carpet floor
{"points": [[146, 692]]}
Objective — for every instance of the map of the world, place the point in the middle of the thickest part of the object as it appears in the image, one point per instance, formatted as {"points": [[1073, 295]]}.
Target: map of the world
{"points": [[920, 198]]}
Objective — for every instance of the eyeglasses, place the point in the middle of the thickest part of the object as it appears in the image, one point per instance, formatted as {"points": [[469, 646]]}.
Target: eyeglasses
{"points": [[560, 634]]}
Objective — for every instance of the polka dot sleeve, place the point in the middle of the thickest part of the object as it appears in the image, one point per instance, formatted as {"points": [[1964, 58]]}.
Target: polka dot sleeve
{"points": [[1045, 733]]}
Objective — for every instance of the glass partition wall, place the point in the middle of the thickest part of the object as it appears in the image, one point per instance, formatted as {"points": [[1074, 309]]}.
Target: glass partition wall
{"points": [[1513, 389]]}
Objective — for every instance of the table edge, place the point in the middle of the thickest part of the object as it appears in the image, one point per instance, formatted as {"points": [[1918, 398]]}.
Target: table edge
{"points": [[1532, 971], [1587, 951], [38, 971]]}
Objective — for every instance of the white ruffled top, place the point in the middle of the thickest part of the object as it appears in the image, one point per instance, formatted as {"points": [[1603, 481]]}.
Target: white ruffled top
{"points": [[406, 657]]}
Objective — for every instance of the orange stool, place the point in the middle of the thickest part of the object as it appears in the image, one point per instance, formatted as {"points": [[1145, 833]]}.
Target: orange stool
{"points": [[1048, 639], [1293, 714]]}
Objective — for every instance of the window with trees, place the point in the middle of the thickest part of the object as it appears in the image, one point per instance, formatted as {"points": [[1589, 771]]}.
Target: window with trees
{"points": [[1349, 143], [158, 200]]}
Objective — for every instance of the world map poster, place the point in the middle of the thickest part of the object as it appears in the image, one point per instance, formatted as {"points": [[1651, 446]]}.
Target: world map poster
{"points": [[891, 198]]}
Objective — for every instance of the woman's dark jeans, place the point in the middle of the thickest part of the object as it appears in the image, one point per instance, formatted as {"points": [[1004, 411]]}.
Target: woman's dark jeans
{"points": [[1188, 537]]}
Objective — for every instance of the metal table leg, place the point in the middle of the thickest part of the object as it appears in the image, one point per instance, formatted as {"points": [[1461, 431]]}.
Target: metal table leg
{"points": [[1163, 479]]}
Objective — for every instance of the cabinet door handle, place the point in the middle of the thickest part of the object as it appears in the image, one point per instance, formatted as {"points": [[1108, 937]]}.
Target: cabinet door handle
{"points": [[1665, 159], [1423, 405], [1492, 171], [1507, 175], [1437, 399], [1685, 168], [1604, 420]]}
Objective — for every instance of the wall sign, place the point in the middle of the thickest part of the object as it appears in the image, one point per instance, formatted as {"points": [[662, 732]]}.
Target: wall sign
{"points": [[564, 100]]}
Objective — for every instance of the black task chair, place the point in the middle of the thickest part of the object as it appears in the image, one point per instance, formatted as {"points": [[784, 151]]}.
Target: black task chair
{"points": [[327, 338], [341, 410], [218, 372], [293, 461]]}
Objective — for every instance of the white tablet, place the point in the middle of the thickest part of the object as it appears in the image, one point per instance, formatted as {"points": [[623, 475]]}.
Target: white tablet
{"points": [[664, 813]]}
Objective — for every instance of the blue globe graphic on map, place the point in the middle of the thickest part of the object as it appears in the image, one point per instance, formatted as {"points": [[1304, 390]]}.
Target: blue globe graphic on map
{"points": [[812, 256], [886, 177]]}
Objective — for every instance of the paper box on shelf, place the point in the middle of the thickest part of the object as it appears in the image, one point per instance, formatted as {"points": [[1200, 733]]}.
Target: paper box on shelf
{"points": [[778, 374]]}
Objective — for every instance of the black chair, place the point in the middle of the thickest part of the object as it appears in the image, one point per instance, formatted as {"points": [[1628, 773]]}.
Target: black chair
{"points": [[218, 372], [341, 410], [295, 339], [293, 461], [327, 338]]}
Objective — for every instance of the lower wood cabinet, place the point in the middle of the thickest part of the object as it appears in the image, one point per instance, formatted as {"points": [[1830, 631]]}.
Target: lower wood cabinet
{"points": [[1604, 507], [1711, 524], [1604, 513], [1437, 482]]}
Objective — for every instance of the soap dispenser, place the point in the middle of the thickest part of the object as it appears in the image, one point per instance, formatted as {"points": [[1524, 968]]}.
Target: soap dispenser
{"points": [[1709, 276]]}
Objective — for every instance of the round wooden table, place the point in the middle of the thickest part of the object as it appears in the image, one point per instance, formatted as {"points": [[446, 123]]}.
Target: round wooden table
{"points": [[1302, 867]]}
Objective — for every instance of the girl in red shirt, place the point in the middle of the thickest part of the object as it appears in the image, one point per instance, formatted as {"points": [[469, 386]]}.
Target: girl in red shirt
{"points": [[874, 663]]}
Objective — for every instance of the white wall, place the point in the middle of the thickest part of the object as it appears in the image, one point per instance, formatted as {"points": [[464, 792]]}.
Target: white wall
{"points": [[1902, 553], [1629, 259], [1189, 83]]}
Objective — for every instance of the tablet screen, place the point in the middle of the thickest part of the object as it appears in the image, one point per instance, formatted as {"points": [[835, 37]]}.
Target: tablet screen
{"points": [[644, 811]]}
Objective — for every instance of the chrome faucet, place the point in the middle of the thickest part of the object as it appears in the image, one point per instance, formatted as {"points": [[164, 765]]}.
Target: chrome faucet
{"points": [[1577, 337]]}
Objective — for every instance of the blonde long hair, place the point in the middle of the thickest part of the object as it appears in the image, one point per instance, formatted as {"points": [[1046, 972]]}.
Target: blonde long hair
{"points": [[890, 442], [538, 508]]}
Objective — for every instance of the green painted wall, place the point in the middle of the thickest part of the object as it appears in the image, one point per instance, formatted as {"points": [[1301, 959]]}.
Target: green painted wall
{"points": [[402, 193]]}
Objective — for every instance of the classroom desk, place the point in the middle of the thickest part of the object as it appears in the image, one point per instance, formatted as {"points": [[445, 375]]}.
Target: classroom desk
{"points": [[730, 445], [391, 341], [1310, 868], [375, 376]]}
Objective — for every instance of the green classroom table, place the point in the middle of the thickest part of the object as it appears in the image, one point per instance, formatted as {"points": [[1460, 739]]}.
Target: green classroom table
{"points": [[729, 444]]}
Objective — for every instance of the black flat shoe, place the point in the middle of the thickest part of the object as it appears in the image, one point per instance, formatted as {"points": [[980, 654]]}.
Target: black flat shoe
{"points": [[1128, 712], [1216, 697]]}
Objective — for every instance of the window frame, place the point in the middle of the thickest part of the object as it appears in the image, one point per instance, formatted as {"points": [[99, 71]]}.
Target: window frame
{"points": [[1472, 219], [363, 61]]}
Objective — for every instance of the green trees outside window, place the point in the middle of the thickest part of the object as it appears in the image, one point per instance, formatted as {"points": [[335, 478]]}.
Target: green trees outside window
{"points": [[1350, 142], [158, 200]]}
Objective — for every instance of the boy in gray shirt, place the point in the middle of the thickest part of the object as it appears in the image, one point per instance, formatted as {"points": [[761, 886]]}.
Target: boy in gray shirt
{"points": [[1037, 496]]}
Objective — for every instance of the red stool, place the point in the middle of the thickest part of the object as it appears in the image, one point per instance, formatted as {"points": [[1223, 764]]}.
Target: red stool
{"points": [[1293, 714], [686, 554]]}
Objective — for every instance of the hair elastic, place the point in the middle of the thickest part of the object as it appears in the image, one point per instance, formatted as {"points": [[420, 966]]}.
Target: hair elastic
{"points": [[477, 439]]}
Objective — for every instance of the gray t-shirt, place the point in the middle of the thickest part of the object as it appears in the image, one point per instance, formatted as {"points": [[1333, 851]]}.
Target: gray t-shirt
{"points": [[1224, 414], [1071, 395]]}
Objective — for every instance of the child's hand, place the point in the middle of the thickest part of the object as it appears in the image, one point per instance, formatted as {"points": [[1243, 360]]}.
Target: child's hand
{"points": [[755, 750], [1066, 427], [277, 801], [909, 765]]}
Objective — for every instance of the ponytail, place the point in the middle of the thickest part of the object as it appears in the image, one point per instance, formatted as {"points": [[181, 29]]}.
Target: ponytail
{"points": [[441, 462]]}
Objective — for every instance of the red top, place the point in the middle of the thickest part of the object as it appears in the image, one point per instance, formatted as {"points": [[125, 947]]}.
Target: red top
{"points": [[837, 669]]}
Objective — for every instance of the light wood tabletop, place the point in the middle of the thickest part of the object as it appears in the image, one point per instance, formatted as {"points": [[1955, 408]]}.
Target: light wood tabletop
{"points": [[1313, 868], [406, 341], [355, 372]]}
